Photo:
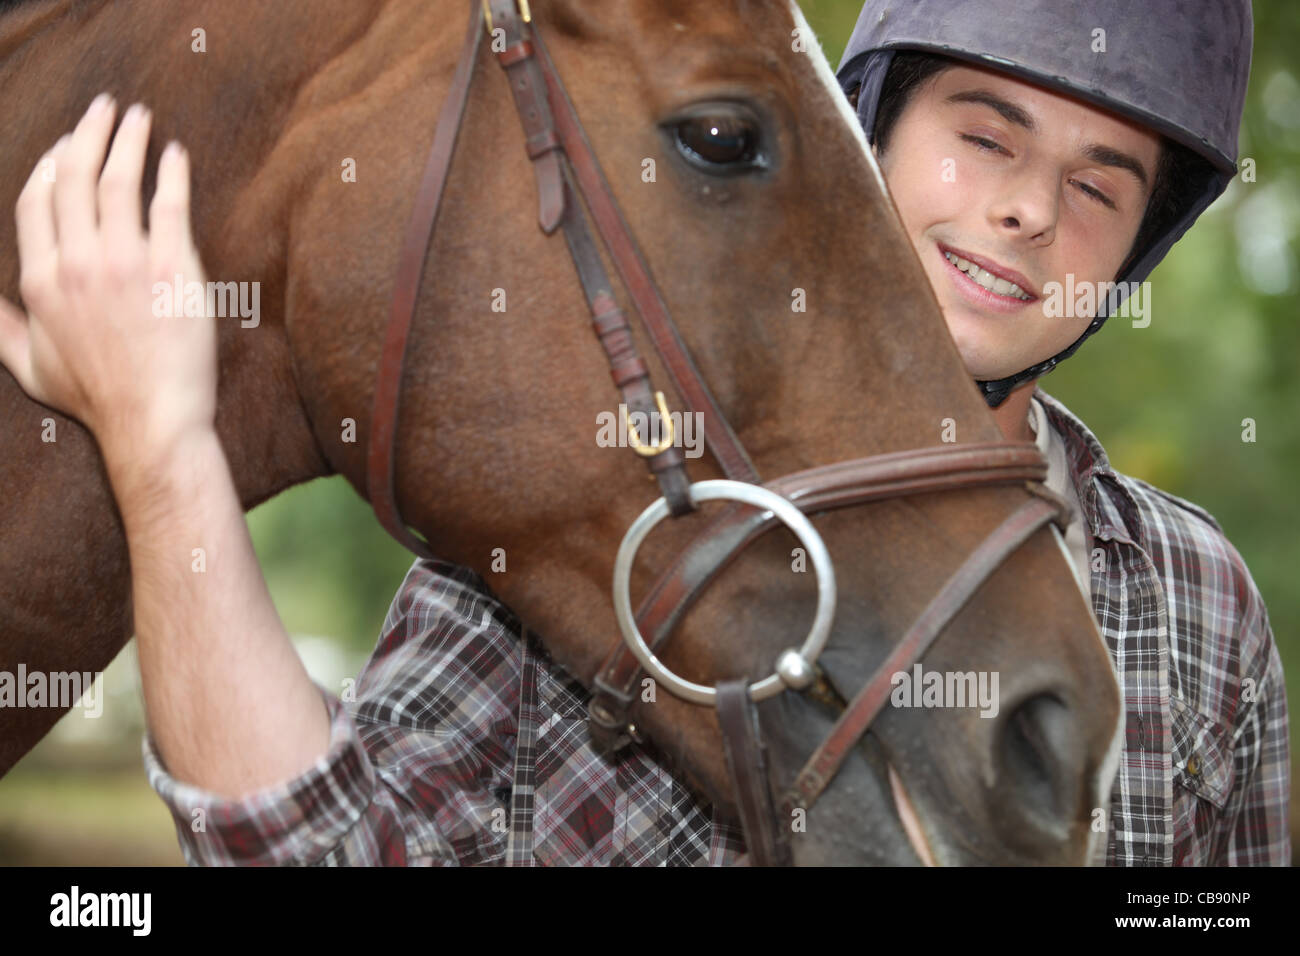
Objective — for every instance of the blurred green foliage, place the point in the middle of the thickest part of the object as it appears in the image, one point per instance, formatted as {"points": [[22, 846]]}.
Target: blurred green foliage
{"points": [[332, 569]]}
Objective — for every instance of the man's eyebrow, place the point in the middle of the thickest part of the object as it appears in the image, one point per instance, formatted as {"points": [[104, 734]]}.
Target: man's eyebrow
{"points": [[1009, 111], [1105, 155]]}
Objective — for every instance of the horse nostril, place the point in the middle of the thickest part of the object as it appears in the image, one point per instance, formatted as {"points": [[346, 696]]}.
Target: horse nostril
{"points": [[1040, 756]]}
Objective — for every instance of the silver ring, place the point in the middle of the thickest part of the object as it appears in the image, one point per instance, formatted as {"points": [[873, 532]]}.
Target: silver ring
{"points": [[795, 520]]}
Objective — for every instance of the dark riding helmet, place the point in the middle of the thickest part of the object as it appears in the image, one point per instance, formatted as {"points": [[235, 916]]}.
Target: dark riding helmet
{"points": [[1179, 67]]}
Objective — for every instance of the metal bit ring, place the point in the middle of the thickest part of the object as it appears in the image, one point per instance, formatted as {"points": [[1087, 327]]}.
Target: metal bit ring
{"points": [[796, 521]]}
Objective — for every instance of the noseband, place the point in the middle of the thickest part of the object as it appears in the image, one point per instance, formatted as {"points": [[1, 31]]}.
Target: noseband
{"points": [[564, 163]]}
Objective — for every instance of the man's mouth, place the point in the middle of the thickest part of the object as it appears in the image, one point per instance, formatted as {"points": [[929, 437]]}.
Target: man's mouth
{"points": [[989, 276]]}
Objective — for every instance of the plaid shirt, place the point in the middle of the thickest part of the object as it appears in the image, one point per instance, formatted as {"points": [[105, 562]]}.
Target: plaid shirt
{"points": [[466, 744], [1205, 775]]}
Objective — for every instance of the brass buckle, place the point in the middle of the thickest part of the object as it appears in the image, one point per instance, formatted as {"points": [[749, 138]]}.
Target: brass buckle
{"points": [[634, 438], [521, 5]]}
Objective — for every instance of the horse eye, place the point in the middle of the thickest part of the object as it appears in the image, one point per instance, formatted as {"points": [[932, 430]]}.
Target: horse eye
{"points": [[719, 143]]}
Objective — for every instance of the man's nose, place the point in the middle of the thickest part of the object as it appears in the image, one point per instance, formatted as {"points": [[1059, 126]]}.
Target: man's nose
{"points": [[1028, 209]]}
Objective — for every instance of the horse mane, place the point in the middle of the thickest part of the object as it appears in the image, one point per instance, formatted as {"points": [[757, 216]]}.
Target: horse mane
{"points": [[10, 6]]}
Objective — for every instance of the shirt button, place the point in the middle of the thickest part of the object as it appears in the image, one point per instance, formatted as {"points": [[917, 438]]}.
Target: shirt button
{"points": [[1194, 765]]}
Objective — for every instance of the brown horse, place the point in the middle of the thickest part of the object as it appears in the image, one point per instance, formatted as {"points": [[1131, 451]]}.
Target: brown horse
{"points": [[790, 278]]}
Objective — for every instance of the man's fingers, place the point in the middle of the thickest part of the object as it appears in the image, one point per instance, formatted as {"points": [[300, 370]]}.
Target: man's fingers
{"points": [[34, 214], [77, 171], [119, 184], [169, 213], [14, 349]]}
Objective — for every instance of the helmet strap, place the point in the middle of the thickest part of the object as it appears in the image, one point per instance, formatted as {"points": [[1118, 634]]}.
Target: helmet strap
{"points": [[996, 391]]}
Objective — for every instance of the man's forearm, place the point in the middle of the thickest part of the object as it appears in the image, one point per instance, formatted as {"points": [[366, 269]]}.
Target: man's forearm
{"points": [[229, 704]]}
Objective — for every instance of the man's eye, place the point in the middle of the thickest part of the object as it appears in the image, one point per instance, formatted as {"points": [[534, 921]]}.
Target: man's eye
{"points": [[1096, 194], [986, 145]]}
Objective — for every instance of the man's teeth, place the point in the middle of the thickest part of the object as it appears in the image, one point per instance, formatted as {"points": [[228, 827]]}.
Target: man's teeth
{"points": [[983, 277]]}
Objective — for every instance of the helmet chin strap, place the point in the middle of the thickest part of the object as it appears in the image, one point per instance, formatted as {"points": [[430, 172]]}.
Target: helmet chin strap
{"points": [[995, 392]]}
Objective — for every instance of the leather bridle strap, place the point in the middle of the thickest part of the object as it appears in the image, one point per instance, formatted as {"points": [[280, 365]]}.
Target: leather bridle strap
{"points": [[765, 837], [825, 762], [720, 438], [839, 485], [626, 367], [747, 761], [551, 136], [559, 207], [410, 270]]}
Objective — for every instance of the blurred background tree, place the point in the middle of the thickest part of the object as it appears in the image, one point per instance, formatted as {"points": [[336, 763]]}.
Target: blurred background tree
{"points": [[1167, 402]]}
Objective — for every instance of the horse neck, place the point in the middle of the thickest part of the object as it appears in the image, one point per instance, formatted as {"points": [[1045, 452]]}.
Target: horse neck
{"points": [[232, 114]]}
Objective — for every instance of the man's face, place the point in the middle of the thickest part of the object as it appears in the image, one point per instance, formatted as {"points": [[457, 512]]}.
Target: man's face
{"points": [[1031, 185]]}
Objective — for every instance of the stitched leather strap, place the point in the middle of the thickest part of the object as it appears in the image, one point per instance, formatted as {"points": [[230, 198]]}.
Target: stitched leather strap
{"points": [[380, 474], [843, 484], [626, 367], [529, 92], [747, 761], [720, 439], [826, 760], [560, 207]]}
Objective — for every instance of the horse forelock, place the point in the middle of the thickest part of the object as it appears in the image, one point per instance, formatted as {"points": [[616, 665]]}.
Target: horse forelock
{"points": [[8, 7]]}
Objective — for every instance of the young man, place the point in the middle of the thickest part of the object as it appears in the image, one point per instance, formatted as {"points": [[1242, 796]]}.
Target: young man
{"points": [[1044, 157], [465, 743]]}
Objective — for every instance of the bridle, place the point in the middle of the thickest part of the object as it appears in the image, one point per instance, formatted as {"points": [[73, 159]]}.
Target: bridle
{"points": [[563, 161]]}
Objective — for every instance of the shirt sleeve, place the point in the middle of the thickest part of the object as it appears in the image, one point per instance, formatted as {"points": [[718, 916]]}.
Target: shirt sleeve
{"points": [[419, 768], [1257, 831], [341, 811]]}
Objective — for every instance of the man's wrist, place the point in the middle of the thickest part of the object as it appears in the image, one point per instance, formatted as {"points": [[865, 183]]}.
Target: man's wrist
{"points": [[159, 473]]}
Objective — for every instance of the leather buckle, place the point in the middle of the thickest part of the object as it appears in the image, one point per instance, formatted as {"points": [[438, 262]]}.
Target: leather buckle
{"points": [[666, 438], [620, 697], [525, 13]]}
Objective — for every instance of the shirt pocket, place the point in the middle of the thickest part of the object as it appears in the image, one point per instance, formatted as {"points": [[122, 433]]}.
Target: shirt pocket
{"points": [[1204, 777], [1202, 754]]}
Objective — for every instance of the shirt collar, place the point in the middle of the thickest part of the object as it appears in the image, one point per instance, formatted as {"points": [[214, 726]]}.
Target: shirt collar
{"points": [[1038, 425], [1109, 515]]}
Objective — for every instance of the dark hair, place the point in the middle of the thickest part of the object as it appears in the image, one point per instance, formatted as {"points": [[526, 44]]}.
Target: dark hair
{"points": [[1180, 173], [908, 73]]}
